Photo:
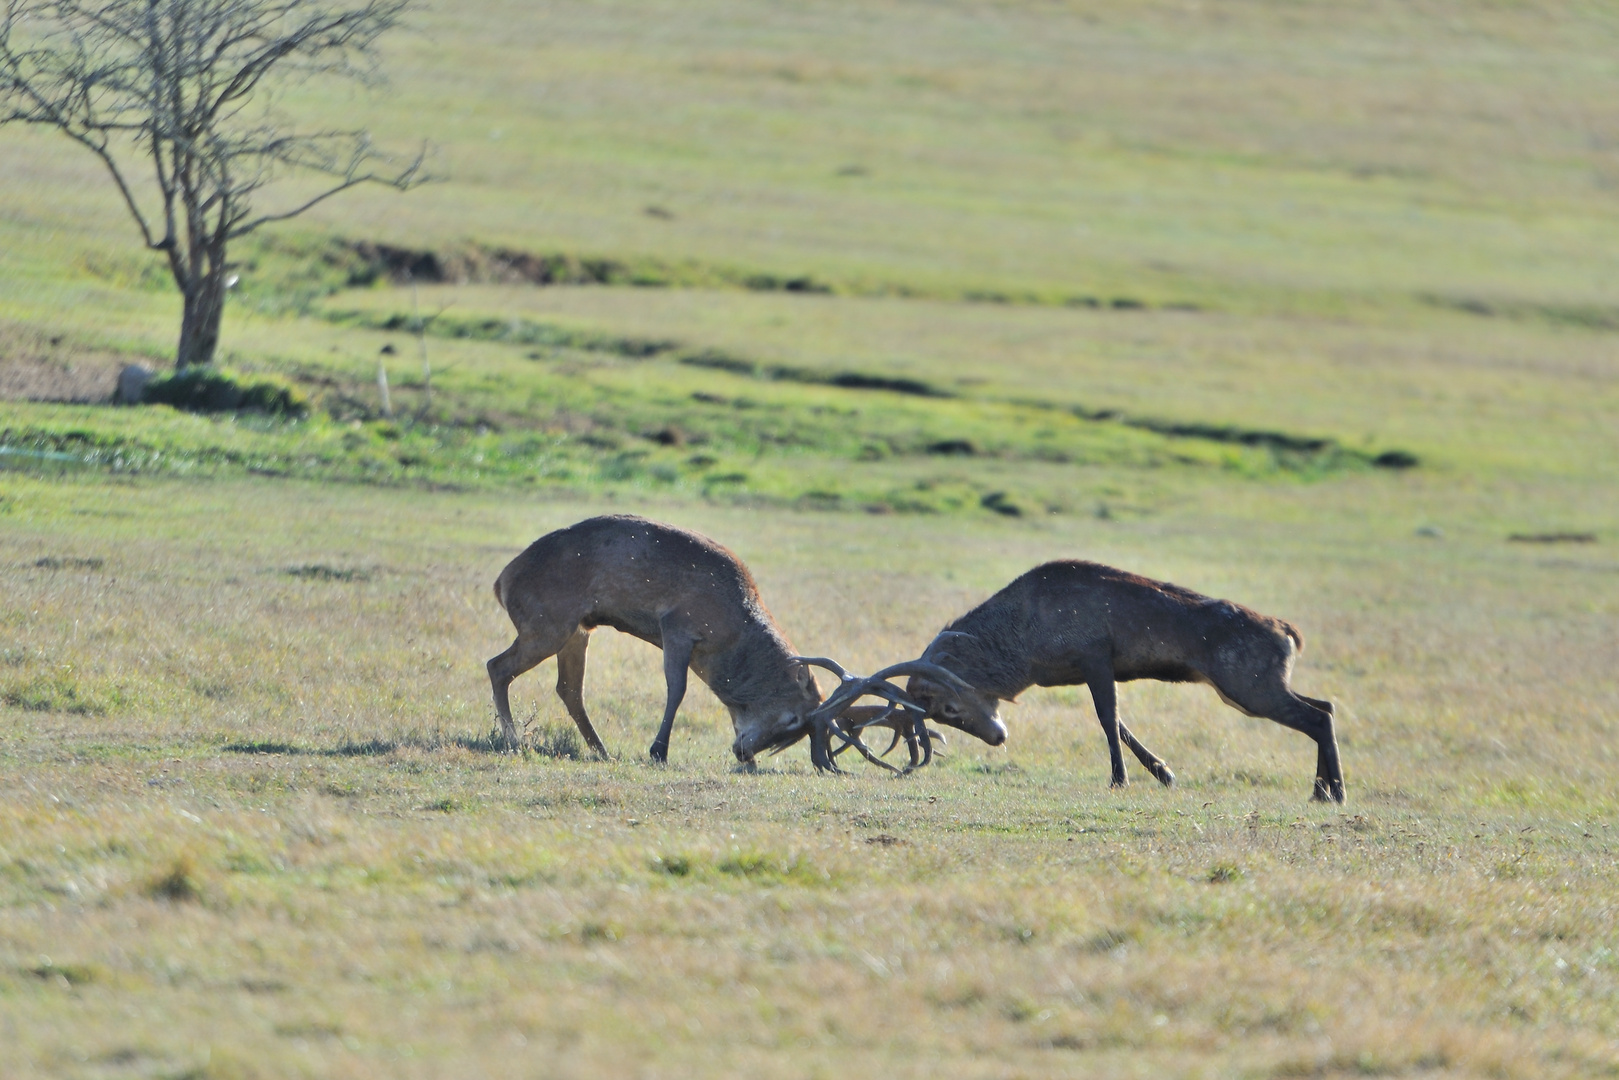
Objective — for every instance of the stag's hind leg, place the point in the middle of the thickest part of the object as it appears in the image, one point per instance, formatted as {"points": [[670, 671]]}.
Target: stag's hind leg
{"points": [[571, 686], [1152, 761], [1312, 716], [529, 651]]}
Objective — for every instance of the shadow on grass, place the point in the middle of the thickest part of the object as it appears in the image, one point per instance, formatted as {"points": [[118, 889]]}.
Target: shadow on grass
{"points": [[491, 742], [370, 748], [262, 748], [545, 740]]}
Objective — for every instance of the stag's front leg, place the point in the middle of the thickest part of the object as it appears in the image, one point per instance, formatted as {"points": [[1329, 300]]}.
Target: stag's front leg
{"points": [[1104, 697], [677, 648]]}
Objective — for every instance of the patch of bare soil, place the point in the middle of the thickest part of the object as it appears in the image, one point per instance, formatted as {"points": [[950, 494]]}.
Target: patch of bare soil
{"points": [[38, 367]]}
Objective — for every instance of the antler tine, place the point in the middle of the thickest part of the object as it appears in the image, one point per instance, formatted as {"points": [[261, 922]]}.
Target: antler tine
{"points": [[875, 718], [821, 747], [853, 739], [926, 669], [892, 743], [826, 662], [921, 721], [853, 690]]}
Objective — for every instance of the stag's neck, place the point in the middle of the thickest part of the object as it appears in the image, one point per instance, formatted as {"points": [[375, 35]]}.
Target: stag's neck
{"points": [[993, 656], [757, 668]]}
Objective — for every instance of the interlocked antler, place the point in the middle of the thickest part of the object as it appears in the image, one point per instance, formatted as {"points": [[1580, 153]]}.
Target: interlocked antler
{"points": [[851, 688], [862, 717]]}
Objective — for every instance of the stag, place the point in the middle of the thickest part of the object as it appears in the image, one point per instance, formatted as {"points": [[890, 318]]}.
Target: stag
{"points": [[1070, 623], [697, 602]]}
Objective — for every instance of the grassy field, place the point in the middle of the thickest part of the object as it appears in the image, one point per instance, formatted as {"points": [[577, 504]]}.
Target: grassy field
{"points": [[257, 829], [927, 294]]}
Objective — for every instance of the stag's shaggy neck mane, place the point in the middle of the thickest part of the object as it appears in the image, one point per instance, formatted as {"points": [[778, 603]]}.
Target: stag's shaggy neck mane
{"points": [[756, 668], [987, 647]]}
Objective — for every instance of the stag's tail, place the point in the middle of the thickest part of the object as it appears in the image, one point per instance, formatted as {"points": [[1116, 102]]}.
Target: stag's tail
{"points": [[1293, 632], [499, 599]]}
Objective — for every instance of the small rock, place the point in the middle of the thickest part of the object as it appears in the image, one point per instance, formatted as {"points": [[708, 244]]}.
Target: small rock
{"points": [[1433, 532], [132, 382]]}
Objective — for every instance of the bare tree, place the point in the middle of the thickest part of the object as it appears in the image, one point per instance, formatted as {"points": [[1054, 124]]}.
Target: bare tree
{"points": [[186, 89]]}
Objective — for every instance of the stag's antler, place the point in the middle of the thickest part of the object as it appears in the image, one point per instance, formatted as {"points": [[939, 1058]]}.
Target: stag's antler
{"points": [[823, 721], [862, 717], [851, 688]]}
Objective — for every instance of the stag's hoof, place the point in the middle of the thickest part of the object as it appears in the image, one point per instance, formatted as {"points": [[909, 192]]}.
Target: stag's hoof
{"points": [[1328, 792], [1165, 777], [658, 754]]}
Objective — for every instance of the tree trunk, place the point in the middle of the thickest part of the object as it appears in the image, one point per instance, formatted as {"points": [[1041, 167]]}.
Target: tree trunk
{"points": [[199, 324]]}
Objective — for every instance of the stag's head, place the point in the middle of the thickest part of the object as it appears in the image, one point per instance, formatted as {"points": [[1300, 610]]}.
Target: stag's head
{"points": [[779, 719], [952, 701]]}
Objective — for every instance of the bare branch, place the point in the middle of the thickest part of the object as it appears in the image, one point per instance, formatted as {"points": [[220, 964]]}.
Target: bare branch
{"points": [[404, 180], [173, 81]]}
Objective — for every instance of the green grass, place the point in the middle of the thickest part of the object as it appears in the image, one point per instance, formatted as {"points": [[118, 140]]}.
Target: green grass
{"points": [[542, 406], [255, 825]]}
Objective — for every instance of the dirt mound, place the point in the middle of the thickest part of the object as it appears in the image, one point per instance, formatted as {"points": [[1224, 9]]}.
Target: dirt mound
{"points": [[35, 367], [478, 264]]}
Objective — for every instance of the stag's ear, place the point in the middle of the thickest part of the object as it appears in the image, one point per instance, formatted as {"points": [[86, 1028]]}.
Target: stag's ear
{"points": [[805, 677]]}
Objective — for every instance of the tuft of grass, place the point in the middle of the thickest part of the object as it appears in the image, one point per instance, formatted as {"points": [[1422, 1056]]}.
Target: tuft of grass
{"points": [[179, 883], [65, 974], [69, 562], [771, 868], [1224, 873], [558, 741], [1108, 940], [673, 865], [54, 691]]}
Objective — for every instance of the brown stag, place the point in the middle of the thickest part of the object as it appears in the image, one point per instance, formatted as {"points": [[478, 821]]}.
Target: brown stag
{"points": [[697, 602], [1068, 623]]}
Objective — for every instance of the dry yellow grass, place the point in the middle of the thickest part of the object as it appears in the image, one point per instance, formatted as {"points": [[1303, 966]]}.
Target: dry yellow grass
{"points": [[252, 828]]}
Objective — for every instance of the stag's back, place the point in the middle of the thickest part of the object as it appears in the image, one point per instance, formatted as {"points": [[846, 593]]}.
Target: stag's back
{"points": [[1032, 629], [627, 572]]}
